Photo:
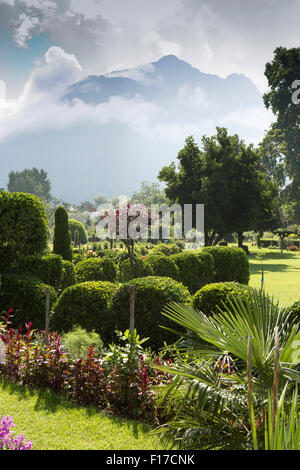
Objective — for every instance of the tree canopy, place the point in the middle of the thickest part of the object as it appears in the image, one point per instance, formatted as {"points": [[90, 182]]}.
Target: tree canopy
{"points": [[32, 181]]}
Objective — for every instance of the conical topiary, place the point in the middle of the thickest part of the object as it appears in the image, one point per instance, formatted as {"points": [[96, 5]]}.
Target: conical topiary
{"points": [[62, 236]]}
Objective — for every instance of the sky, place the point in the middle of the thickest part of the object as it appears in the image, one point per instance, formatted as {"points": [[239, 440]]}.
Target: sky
{"points": [[47, 45]]}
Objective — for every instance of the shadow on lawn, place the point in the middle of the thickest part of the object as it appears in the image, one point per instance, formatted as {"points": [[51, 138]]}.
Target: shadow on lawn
{"points": [[50, 402], [273, 268]]}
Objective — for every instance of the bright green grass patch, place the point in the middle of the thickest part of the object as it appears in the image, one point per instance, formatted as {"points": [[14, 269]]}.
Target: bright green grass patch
{"points": [[281, 273], [52, 423]]}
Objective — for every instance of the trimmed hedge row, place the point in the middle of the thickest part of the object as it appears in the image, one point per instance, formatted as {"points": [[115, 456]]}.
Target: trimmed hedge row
{"points": [[48, 268], [209, 300], [230, 264], [163, 266], [26, 295], [96, 269], [126, 272], [195, 269], [104, 307]]}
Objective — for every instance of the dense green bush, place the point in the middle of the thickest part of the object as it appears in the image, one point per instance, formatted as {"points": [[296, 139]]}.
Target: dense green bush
{"points": [[96, 269], [23, 227], [78, 340], [151, 295], [75, 225], [69, 277], [295, 311], [230, 264], [166, 249], [26, 295], [141, 268], [196, 269], [86, 305], [164, 266], [48, 268], [212, 296], [62, 235]]}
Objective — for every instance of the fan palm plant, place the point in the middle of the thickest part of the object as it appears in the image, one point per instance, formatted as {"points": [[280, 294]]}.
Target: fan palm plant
{"points": [[218, 376]]}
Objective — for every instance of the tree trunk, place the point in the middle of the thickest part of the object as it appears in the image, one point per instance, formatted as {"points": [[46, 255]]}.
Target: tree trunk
{"points": [[240, 239]]}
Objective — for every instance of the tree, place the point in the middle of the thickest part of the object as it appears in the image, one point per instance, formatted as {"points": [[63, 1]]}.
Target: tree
{"points": [[228, 178], [282, 75], [62, 235], [149, 193], [30, 181], [100, 199]]}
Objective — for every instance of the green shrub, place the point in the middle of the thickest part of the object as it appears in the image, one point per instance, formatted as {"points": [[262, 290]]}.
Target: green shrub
{"points": [[151, 295], [212, 296], [140, 269], [295, 309], [48, 268], [23, 227], [196, 269], [26, 295], [62, 235], [78, 340], [76, 226], [69, 277], [163, 266], [166, 249], [230, 264], [86, 305], [96, 269]]}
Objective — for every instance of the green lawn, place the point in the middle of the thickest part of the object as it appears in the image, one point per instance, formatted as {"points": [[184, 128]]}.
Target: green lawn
{"points": [[281, 273], [52, 423]]}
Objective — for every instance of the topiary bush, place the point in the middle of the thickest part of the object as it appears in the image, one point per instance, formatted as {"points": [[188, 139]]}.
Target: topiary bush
{"points": [[230, 264], [163, 266], [151, 295], [62, 235], [78, 341], [23, 227], [69, 277], [48, 268], [77, 226], [87, 305], [26, 295], [195, 269], [126, 272], [166, 249], [103, 269], [210, 297]]}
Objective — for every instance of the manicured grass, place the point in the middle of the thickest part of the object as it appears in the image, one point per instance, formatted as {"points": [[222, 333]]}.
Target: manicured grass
{"points": [[281, 273], [52, 423]]}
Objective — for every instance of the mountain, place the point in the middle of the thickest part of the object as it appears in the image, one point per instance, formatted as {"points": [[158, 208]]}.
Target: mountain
{"points": [[119, 129]]}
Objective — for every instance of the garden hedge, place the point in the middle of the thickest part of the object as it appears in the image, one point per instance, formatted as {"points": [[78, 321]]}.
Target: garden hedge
{"points": [[76, 225], [23, 227], [151, 295], [195, 269], [166, 249], [87, 305], [48, 268], [230, 264], [26, 295], [126, 272], [69, 277], [210, 298], [96, 269], [163, 266]]}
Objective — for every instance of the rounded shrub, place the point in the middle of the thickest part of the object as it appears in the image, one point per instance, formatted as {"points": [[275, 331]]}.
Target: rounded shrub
{"points": [[141, 268], [230, 264], [166, 249], [62, 235], [86, 305], [151, 295], [77, 226], [163, 266], [103, 269], [195, 269], [69, 277], [23, 227], [26, 295], [209, 300], [48, 268]]}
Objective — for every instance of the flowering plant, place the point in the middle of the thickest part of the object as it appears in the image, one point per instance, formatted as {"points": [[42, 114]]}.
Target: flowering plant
{"points": [[8, 441]]}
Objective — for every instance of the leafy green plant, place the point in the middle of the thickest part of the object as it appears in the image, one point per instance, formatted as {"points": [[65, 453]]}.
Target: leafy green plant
{"points": [[230, 264], [103, 269], [77, 342], [196, 269]]}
